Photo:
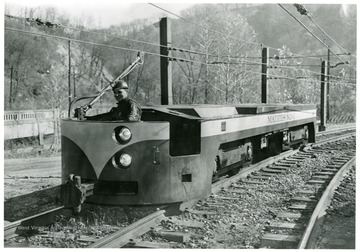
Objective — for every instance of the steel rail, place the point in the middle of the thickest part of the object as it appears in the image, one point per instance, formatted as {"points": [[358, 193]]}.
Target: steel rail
{"points": [[348, 127], [136, 229], [312, 228], [333, 139]]}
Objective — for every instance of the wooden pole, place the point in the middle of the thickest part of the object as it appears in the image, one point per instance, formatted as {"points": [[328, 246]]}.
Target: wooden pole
{"points": [[323, 98], [264, 74], [328, 88], [11, 78], [69, 75], [165, 62]]}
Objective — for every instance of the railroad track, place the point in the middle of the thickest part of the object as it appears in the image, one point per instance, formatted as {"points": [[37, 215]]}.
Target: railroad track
{"points": [[161, 234], [315, 198], [158, 222], [252, 178]]}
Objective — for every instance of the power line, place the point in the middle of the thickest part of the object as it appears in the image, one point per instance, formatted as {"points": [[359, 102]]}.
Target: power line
{"points": [[150, 53], [201, 26], [312, 33], [303, 11], [40, 22], [133, 50], [328, 35], [193, 23]]}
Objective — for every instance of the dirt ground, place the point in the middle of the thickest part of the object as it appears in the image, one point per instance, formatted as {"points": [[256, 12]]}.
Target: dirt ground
{"points": [[31, 186], [337, 233], [338, 228]]}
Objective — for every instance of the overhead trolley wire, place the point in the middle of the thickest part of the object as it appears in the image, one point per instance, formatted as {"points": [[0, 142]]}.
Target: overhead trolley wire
{"points": [[51, 25], [271, 76], [173, 48], [201, 26], [306, 28], [38, 21], [253, 43], [303, 11], [328, 35], [133, 50]]}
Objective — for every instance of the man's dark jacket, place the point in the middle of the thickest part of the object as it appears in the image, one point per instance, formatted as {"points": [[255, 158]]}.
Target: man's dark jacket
{"points": [[127, 110]]}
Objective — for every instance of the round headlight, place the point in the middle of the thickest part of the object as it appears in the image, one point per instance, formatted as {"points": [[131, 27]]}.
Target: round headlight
{"points": [[122, 161], [125, 134], [122, 135], [125, 160]]}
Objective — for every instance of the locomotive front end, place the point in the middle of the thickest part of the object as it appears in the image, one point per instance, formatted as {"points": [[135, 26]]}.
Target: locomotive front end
{"points": [[123, 160]]}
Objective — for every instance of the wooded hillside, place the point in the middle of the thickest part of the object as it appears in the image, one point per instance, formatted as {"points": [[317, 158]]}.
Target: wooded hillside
{"points": [[220, 45]]}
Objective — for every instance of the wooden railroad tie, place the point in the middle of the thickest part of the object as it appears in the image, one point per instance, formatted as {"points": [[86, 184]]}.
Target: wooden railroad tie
{"points": [[285, 225], [273, 170], [303, 199], [301, 207], [279, 241], [289, 215]]}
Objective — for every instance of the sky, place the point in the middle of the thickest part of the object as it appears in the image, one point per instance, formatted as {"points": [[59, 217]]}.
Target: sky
{"points": [[105, 12], [114, 12]]}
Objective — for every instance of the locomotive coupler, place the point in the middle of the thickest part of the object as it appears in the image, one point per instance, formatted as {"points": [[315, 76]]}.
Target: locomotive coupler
{"points": [[73, 193]]}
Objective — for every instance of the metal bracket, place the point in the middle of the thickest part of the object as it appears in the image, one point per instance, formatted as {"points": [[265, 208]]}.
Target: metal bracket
{"points": [[73, 193]]}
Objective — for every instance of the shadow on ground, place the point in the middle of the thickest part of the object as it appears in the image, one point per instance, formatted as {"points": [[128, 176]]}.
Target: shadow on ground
{"points": [[26, 205]]}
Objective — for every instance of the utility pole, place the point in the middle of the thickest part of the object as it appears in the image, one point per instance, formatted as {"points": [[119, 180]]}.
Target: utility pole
{"points": [[328, 87], [69, 75], [11, 78], [74, 82], [323, 96], [165, 62], [264, 74]]}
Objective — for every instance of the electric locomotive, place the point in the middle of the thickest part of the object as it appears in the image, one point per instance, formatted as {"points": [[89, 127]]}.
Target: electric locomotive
{"points": [[175, 152]]}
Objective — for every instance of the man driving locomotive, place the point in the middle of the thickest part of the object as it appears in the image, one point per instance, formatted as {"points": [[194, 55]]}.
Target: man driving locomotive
{"points": [[127, 109]]}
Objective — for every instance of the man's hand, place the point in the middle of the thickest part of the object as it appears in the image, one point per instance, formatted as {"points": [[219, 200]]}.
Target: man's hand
{"points": [[80, 113]]}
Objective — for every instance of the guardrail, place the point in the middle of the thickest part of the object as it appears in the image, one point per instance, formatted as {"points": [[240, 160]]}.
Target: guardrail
{"points": [[29, 123]]}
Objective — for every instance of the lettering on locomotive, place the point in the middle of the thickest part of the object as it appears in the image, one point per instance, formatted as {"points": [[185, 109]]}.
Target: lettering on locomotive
{"points": [[280, 118]]}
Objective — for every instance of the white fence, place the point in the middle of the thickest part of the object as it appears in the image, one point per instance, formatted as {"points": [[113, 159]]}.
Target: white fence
{"points": [[27, 123]]}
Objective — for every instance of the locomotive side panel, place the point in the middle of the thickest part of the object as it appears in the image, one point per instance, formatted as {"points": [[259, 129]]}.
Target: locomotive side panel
{"points": [[232, 142], [190, 178]]}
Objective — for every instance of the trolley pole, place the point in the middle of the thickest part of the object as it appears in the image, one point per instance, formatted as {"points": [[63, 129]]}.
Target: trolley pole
{"points": [[264, 74], [165, 62], [323, 98]]}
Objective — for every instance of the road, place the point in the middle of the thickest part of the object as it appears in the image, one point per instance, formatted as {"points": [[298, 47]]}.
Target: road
{"points": [[33, 167]]}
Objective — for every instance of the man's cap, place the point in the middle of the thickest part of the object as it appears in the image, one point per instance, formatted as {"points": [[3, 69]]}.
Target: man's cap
{"points": [[120, 84]]}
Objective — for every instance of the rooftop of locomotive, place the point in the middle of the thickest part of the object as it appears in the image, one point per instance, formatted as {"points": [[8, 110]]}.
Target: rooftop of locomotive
{"points": [[218, 111]]}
